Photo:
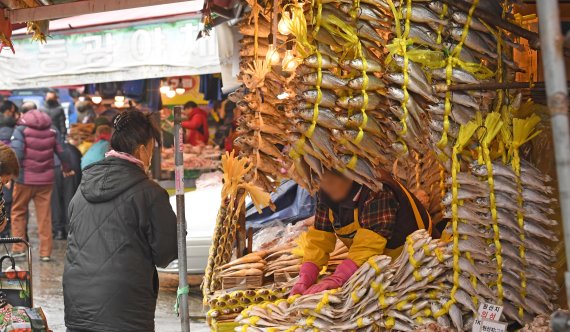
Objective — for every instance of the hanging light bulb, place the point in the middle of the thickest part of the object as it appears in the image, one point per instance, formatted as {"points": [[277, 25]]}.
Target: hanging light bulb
{"points": [[289, 61], [180, 89], [171, 94], [272, 52], [284, 24], [164, 87], [97, 99], [119, 97], [119, 104]]}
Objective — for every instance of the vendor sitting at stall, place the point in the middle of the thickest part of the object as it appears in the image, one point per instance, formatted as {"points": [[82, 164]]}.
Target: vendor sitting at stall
{"points": [[368, 223]]}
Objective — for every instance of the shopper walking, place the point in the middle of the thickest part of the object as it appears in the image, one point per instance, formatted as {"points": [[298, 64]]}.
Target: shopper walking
{"points": [[8, 118], [35, 143], [122, 226], [56, 112], [196, 125]]}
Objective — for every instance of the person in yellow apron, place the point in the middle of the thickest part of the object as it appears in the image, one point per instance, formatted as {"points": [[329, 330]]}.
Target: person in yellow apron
{"points": [[368, 223]]}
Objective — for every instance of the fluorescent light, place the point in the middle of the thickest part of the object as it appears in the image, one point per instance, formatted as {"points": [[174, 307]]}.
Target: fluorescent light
{"points": [[171, 93]]}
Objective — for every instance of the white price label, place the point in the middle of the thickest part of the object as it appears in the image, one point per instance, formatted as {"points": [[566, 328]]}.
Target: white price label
{"points": [[490, 312], [484, 325]]}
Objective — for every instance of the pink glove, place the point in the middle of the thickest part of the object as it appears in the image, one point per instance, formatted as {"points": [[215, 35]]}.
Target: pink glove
{"points": [[307, 277], [343, 272]]}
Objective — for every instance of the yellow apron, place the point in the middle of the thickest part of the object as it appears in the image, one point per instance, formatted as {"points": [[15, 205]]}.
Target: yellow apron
{"points": [[346, 233]]}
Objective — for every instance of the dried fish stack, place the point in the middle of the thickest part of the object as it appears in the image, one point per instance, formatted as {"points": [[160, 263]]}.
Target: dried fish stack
{"points": [[398, 295], [262, 130], [500, 221]]}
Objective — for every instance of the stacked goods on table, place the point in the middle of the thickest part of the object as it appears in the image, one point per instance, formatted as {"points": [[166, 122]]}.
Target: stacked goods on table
{"points": [[195, 157], [399, 294], [285, 262], [278, 234], [225, 306], [244, 272]]}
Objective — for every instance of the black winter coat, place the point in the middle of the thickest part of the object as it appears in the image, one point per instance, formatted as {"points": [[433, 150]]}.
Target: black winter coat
{"points": [[121, 226]]}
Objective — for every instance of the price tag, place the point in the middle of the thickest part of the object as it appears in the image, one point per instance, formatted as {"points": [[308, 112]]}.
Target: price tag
{"points": [[485, 325], [490, 312]]}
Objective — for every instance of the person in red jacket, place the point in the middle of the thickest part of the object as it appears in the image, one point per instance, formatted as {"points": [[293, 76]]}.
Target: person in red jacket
{"points": [[197, 124]]}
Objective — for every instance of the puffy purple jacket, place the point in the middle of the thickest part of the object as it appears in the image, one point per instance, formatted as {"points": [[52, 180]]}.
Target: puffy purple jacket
{"points": [[35, 142]]}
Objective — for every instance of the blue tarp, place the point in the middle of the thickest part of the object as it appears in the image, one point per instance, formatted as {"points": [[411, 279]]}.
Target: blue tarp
{"points": [[292, 203]]}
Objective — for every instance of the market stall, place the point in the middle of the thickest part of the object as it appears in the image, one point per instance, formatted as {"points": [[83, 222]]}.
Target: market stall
{"points": [[423, 92]]}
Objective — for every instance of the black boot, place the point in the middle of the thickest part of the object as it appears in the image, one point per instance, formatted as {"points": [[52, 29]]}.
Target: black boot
{"points": [[60, 236]]}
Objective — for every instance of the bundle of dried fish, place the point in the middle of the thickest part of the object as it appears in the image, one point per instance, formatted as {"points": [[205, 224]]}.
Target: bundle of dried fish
{"points": [[226, 306], [397, 295], [501, 224], [234, 190]]}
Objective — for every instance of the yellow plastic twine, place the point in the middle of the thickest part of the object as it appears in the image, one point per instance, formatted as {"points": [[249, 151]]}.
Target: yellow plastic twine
{"points": [[523, 131], [493, 125], [298, 27], [401, 42], [465, 133], [451, 61], [440, 27]]}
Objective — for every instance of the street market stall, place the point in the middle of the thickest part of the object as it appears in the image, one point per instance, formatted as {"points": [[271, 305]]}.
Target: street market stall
{"points": [[424, 93]]}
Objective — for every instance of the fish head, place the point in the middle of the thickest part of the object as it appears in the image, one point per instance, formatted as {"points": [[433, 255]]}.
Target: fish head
{"points": [[350, 134], [242, 130], [395, 93], [447, 198], [343, 102], [309, 78], [342, 119], [356, 83], [346, 64], [310, 94], [242, 106]]}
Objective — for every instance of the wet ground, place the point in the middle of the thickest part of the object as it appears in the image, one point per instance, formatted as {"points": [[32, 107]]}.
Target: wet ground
{"points": [[48, 293]]}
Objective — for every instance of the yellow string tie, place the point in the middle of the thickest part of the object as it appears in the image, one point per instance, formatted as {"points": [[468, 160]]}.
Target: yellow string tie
{"points": [[310, 321], [354, 297], [359, 322], [322, 303], [375, 266]]}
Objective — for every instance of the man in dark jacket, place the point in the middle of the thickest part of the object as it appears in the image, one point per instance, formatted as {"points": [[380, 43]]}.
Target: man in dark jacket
{"points": [[55, 111], [35, 142], [122, 225], [8, 118]]}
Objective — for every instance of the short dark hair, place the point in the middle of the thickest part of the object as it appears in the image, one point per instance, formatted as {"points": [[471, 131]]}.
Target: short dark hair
{"points": [[190, 104], [132, 129], [7, 105]]}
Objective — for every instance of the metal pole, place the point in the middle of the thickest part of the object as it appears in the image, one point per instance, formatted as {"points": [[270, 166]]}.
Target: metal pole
{"points": [[552, 41], [181, 219]]}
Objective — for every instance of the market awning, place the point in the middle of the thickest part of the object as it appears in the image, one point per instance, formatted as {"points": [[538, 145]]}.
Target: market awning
{"points": [[135, 51], [168, 12]]}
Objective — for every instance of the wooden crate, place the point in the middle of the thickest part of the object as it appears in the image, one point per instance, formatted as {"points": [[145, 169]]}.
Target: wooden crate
{"points": [[242, 282]]}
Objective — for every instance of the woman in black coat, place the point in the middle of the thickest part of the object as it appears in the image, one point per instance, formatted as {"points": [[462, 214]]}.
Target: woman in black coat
{"points": [[121, 227]]}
